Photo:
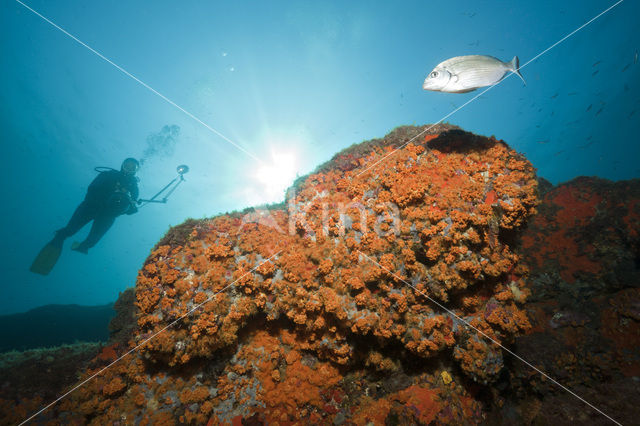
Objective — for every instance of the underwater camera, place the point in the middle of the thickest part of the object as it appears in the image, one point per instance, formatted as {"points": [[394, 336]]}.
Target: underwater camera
{"points": [[170, 187]]}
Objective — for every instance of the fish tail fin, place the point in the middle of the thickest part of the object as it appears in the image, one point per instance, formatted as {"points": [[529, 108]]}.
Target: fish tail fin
{"points": [[514, 67]]}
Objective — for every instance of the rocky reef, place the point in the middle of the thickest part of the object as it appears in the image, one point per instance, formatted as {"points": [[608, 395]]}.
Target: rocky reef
{"points": [[379, 292], [30, 379], [583, 248]]}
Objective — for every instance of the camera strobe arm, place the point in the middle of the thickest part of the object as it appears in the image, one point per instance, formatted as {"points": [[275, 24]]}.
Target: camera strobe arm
{"points": [[177, 181]]}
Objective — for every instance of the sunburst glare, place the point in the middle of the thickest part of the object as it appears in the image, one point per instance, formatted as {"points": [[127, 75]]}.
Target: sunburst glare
{"points": [[275, 176]]}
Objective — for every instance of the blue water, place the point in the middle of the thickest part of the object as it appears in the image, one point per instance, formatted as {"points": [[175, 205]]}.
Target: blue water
{"points": [[299, 80]]}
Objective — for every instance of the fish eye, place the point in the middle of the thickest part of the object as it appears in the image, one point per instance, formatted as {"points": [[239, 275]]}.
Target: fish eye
{"points": [[433, 74]]}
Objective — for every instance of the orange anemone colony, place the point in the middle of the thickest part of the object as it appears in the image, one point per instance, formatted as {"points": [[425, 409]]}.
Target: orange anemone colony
{"points": [[392, 251]]}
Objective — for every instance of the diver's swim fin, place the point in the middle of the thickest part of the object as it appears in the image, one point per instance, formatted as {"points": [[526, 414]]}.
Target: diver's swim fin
{"points": [[46, 259]]}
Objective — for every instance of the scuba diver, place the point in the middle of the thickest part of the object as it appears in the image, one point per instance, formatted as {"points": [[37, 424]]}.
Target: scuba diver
{"points": [[111, 194]]}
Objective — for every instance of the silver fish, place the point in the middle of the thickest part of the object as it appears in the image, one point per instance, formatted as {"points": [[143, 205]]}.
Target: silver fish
{"points": [[466, 73]]}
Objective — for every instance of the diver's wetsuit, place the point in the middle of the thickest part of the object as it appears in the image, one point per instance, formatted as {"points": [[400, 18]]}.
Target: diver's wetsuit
{"points": [[111, 194]]}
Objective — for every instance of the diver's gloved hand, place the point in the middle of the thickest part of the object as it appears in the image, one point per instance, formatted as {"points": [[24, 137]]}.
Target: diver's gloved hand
{"points": [[132, 209]]}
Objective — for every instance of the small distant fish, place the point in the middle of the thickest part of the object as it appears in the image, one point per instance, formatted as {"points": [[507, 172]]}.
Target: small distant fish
{"points": [[595, 72], [555, 96], [589, 107], [626, 67], [463, 74], [631, 113], [544, 141], [599, 111], [596, 63], [558, 153], [635, 58]]}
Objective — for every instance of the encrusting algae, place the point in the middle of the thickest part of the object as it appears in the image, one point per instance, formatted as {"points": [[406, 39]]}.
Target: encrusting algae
{"points": [[282, 307]]}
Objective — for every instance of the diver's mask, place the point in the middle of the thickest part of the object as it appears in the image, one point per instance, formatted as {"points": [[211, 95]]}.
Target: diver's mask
{"points": [[130, 166]]}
